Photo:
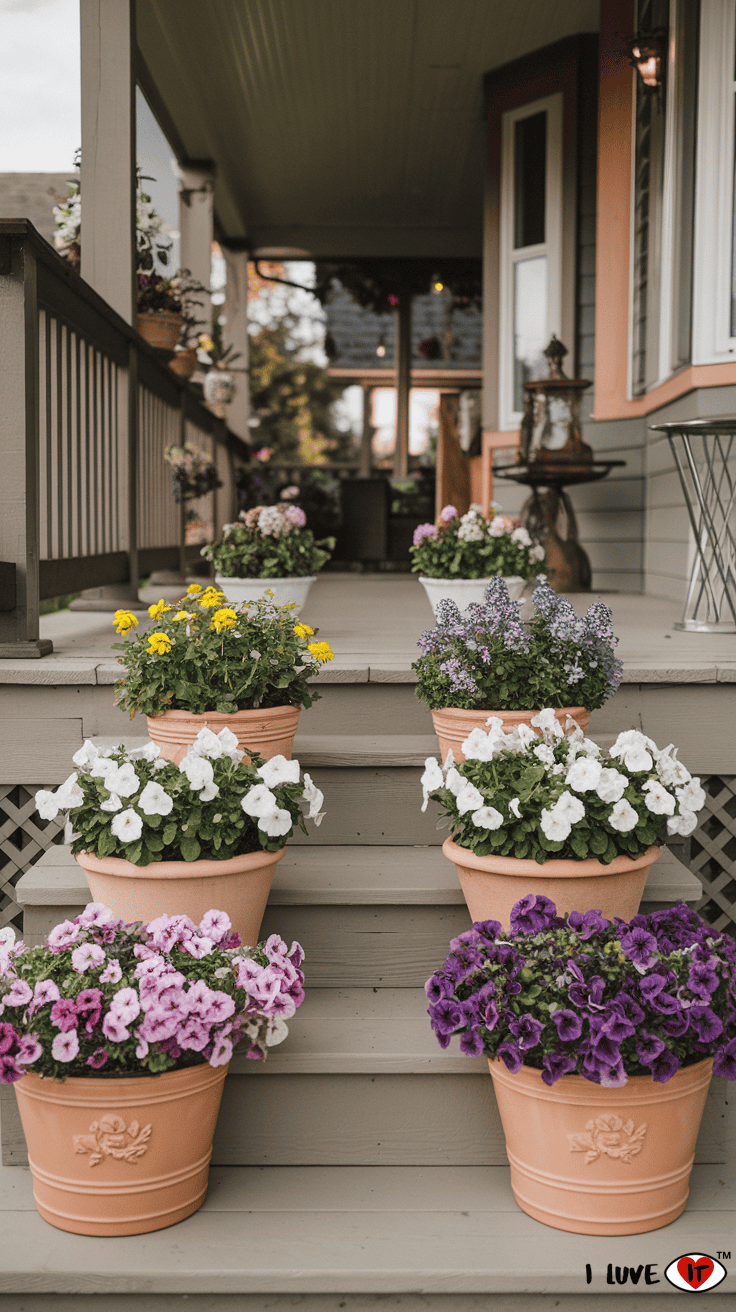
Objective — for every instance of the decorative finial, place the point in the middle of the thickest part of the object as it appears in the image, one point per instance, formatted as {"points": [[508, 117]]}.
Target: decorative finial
{"points": [[555, 354]]}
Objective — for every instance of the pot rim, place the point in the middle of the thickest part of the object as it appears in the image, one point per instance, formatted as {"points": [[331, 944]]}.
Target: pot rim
{"points": [[486, 578], [457, 710], [565, 868], [234, 865], [176, 713], [576, 1089], [252, 578]]}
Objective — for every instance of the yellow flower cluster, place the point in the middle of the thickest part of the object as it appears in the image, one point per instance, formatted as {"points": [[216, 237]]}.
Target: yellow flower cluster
{"points": [[159, 644], [183, 615], [193, 589], [125, 620], [303, 630], [223, 619], [210, 598], [321, 651], [158, 609]]}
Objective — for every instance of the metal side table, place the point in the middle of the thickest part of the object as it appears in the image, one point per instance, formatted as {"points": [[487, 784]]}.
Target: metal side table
{"points": [[704, 452]]}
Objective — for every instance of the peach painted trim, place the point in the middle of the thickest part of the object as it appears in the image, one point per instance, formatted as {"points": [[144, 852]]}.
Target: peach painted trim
{"points": [[489, 443], [702, 375]]}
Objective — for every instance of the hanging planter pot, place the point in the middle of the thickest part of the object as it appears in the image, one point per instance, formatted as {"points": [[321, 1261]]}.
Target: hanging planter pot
{"points": [[453, 725], [465, 591], [219, 387], [239, 886], [184, 362], [269, 731], [285, 590], [493, 884], [601, 1161], [160, 328], [120, 1156]]}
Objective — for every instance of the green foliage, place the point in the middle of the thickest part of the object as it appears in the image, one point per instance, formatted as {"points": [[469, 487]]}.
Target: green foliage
{"points": [[471, 547], [292, 399], [247, 553]]}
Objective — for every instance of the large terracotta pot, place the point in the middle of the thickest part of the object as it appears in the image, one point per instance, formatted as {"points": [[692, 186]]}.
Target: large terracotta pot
{"points": [[269, 732], [239, 886], [160, 328], [465, 591], [284, 590], [601, 1161], [120, 1156], [492, 884], [452, 725]]}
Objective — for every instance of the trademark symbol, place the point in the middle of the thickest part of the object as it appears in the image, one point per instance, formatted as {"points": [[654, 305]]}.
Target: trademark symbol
{"points": [[725, 1256]]}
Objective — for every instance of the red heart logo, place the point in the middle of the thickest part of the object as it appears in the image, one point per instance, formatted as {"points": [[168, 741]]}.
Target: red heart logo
{"points": [[695, 1270]]}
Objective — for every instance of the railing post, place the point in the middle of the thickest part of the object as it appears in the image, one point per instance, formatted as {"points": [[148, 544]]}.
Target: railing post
{"points": [[133, 471], [19, 486]]}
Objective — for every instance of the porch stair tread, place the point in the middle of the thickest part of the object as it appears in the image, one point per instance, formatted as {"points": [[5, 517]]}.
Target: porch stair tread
{"points": [[342, 875], [301, 1230]]}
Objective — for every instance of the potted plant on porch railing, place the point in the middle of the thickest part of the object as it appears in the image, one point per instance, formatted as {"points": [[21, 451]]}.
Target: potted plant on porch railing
{"points": [[552, 811], [117, 1038], [601, 1038], [207, 664], [488, 662], [271, 548], [457, 555]]}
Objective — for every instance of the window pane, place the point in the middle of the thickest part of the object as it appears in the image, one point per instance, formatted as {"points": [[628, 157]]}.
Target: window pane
{"points": [[530, 323], [530, 174]]}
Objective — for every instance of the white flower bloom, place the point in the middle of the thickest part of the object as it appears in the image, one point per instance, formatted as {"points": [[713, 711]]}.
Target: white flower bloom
{"points": [[208, 744], [149, 752], [611, 786], [584, 774], [631, 746], [103, 767], [536, 553], [494, 724], [544, 753], [670, 770], [124, 781], [658, 799], [468, 799], [480, 746], [46, 804], [431, 780], [637, 760], [569, 807], [315, 798], [277, 1031], [684, 824], [555, 825], [127, 826], [279, 771], [449, 760], [69, 795], [259, 801], [209, 793], [86, 755], [198, 771], [691, 796], [487, 817], [470, 531], [514, 807], [454, 781], [527, 736], [275, 823], [558, 768], [521, 537], [111, 803], [547, 721], [230, 745], [154, 800], [623, 817]]}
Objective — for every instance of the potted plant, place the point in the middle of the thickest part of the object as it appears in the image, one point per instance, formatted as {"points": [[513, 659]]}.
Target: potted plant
{"points": [[601, 1038], [219, 381], [488, 663], [271, 548], [457, 555], [184, 361], [158, 316], [245, 668], [555, 812], [151, 835], [117, 1038]]}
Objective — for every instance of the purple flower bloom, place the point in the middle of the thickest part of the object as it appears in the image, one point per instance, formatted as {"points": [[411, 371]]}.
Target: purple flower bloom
{"points": [[617, 1026], [639, 945], [724, 1061], [555, 1065], [64, 1015], [702, 980], [665, 1003], [445, 1017], [651, 985], [439, 986], [471, 1044], [488, 929], [588, 995], [527, 1031], [706, 1024], [424, 531], [489, 1015], [532, 913], [587, 925], [8, 1037], [630, 1009], [10, 1071], [676, 1024], [648, 1047], [664, 1067], [613, 1076], [98, 1059], [569, 1025], [510, 1056]]}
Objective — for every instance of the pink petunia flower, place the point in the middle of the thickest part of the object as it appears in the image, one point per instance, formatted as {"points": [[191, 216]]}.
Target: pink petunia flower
{"points": [[64, 1015], [112, 972], [125, 1006], [215, 925], [87, 957], [63, 935], [95, 913], [65, 1046], [44, 992], [114, 1029], [221, 1053], [198, 947], [29, 1050], [20, 994]]}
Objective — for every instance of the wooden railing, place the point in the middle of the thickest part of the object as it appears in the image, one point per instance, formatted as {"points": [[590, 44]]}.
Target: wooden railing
{"points": [[87, 409]]}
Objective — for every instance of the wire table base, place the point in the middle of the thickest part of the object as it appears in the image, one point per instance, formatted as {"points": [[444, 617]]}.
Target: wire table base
{"points": [[704, 451]]}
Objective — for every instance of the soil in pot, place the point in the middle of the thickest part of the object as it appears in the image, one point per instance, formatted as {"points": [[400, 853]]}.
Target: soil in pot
{"points": [[269, 731], [493, 884], [599, 1161], [452, 725]]}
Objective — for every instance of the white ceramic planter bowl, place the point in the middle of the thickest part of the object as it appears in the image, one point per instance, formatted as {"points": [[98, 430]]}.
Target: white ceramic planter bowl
{"points": [[284, 590], [465, 591]]}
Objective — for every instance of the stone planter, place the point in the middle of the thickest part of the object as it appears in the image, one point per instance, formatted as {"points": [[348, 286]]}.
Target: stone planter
{"points": [[184, 362], [120, 1156], [239, 886], [492, 884], [452, 725], [465, 591], [598, 1161], [284, 590], [160, 328], [270, 731]]}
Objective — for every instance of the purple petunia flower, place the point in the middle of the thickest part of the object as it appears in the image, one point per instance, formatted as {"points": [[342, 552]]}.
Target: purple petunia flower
{"points": [[438, 987], [587, 925], [489, 1015], [445, 1017], [666, 1003], [651, 985], [8, 1037], [706, 1024], [630, 1009], [664, 1067], [617, 1026], [639, 946], [724, 1061], [510, 1056], [98, 1059], [471, 1044], [555, 1065], [648, 1047], [569, 1025], [488, 929], [702, 980], [588, 995], [10, 1071], [527, 1031], [532, 913], [613, 1076], [676, 1024]]}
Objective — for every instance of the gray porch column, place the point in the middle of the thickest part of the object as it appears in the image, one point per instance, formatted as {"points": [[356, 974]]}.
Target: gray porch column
{"points": [[196, 223], [402, 355], [108, 151], [236, 334]]}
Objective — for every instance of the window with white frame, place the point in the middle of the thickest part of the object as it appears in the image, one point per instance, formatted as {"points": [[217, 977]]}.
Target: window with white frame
{"points": [[530, 247]]}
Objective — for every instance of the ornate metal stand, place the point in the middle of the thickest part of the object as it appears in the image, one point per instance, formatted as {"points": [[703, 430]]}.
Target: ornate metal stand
{"points": [[704, 452]]}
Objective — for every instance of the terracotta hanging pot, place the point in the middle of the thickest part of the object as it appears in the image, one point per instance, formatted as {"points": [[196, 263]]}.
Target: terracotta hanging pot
{"points": [[284, 590], [269, 731], [452, 725], [465, 591], [120, 1156], [160, 328], [492, 884], [184, 362], [600, 1161], [239, 886]]}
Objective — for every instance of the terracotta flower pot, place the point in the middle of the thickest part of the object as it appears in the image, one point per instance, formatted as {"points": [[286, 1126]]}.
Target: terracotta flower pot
{"points": [[492, 884], [160, 328], [452, 725], [239, 886], [270, 731], [601, 1161], [120, 1156], [184, 362], [465, 591], [284, 590]]}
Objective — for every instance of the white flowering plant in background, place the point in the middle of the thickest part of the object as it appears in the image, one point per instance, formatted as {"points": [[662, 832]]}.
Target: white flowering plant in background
{"points": [[541, 792], [139, 806], [470, 546], [269, 542]]}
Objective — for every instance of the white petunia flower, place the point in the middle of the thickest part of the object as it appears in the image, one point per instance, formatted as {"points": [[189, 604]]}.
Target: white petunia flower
{"points": [[521, 537], [494, 724], [198, 771], [111, 803], [86, 755], [149, 752], [570, 807], [631, 747], [69, 795], [547, 721], [259, 801], [454, 781], [555, 826], [544, 753], [623, 817], [315, 798], [279, 771], [103, 767], [154, 800], [127, 826], [431, 780], [683, 824], [449, 760], [468, 799], [46, 804], [275, 823], [584, 774], [124, 781], [612, 785], [670, 770], [487, 817], [230, 744], [514, 807], [480, 746], [691, 796], [208, 744], [209, 793], [658, 799], [527, 736]]}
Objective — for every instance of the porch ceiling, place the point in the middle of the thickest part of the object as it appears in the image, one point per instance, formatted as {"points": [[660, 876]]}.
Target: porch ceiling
{"points": [[342, 127]]}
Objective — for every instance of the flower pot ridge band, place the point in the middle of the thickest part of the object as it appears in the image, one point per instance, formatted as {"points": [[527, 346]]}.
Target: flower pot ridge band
{"points": [[120, 1156], [466, 591], [239, 886], [453, 725], [598, 1161], [493, 884], [284, 590], [269, 731]]}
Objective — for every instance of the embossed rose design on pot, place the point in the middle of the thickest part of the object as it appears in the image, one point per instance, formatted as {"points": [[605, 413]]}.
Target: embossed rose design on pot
{"points": [[111, 1137], [608, 1135]]}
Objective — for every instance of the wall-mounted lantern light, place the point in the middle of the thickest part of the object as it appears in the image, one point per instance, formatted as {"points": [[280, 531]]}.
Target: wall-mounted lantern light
{"points": [[647, 51], [381, 348]]}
